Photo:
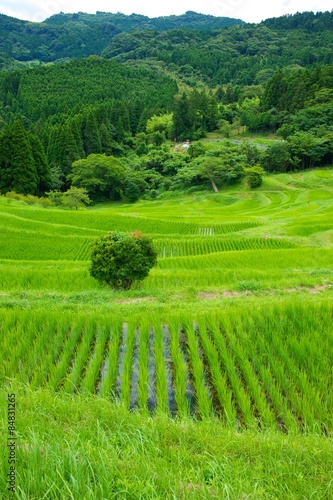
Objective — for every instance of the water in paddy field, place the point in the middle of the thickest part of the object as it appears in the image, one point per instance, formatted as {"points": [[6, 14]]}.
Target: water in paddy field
{"points": [[190, 393], [135, 373], [151, 373], [168, 371], [121, 358], [105, 366], [209, 387]]}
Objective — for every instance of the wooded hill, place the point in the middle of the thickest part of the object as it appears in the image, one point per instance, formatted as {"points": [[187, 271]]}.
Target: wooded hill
{"points": [[152, 86], [194, 46], [80, 35]]}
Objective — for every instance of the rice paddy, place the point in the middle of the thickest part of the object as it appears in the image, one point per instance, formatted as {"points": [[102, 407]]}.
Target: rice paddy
{"points": [[234, 324]]}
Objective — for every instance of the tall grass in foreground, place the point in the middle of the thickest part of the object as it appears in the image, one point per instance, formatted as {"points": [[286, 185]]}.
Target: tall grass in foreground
{"points": [[85, 447]]}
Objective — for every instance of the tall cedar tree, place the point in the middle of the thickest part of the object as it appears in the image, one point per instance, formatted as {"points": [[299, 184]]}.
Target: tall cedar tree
{"points": [[91, 137], [106, 140], [17, 166], [181, 118], [42, 167]]}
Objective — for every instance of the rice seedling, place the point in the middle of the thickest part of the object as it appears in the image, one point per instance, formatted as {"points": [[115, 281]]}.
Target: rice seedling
{"points": [[241, 397], [203, 399], [143, 358], [110, 363], [125, 370], [82, 354], [180, 369], [219, 380], [59, 370], [94, 365], [162, 370]]}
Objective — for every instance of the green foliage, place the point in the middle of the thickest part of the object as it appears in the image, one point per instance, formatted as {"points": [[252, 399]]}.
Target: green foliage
{"points": [[160, 124], [75, 197], [196, 149], [85, 83], [254, 175], [243, 55], [18, 170], [119, 259], [41, 165], [194, 115], [102, 176], [277, 157], [225, 167]]}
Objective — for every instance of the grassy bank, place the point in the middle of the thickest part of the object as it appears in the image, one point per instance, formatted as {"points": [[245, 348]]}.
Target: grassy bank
{"points": [[83, 447]]}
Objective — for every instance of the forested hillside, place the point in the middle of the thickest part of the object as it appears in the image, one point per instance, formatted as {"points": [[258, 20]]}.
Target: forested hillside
{"points": [[80, 35], [244, 55], [121, 115]]}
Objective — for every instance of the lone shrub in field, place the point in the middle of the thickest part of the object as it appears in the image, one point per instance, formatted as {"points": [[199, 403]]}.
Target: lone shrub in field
{"points": [[254, 175], [119, 259]]}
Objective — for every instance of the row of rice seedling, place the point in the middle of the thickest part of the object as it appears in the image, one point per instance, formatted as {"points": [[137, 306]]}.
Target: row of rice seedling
{"points": [[35, 246], [263, 410], [274, 259], [143, 360], [245, 414], [109, 368], [259, 353], [307, 405], [88, 223], [58, 371], [18, 222], [53, 276], [180, 248], [97, 222], [125, 370], [57, 331], [19, 330], [180, 369], [163, 379], [246, 365], [82, 355], [219, 381], [228, 227], [203, 398], [94, 365]]}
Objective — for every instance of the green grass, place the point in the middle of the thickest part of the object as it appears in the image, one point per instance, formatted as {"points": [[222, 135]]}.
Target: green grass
{"points": [[85, 447], [224, 352]]}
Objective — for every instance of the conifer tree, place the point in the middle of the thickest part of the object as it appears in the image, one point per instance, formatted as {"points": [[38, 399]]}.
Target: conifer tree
{"points": [[106, 140], [18, 171], [68, 149], [181, 118], [42, 167], [91, 137]]}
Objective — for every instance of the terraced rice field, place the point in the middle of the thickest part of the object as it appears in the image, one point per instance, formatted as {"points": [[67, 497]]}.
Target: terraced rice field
{"points": [[250, 368], [235, 321]]}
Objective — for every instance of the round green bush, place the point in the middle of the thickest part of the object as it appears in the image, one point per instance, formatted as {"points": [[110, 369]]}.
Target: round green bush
{"points": [[120, 259]]}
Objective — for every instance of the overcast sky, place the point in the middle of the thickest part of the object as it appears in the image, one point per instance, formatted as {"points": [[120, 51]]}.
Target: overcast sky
{"points": [[252, 11]]}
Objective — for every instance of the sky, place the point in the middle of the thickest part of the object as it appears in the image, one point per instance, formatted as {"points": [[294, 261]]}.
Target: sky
{"points": [[251, 11]]}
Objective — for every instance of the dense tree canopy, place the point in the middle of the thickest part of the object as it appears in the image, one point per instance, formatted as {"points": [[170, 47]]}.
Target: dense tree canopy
{"points": [[103, 125], [102, 176]]}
